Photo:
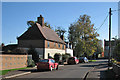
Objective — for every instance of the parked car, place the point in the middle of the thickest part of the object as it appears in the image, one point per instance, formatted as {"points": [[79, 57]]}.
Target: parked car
{"points": [[73, 60], [83, 59], [48, 64]]}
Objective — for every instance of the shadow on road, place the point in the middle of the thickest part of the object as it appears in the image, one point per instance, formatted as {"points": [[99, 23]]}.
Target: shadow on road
{"points": [[34, 70], [87, 65]]}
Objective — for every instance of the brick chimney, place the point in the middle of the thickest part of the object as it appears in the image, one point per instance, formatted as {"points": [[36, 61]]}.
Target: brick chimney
{"points": [[40, 20]]}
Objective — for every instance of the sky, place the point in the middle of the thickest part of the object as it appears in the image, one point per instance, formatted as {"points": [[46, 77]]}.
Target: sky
{"points": [[58, 14]]}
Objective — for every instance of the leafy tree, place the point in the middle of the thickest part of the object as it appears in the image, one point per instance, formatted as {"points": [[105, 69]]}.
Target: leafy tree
{"points": [[30, 23], [116, 51], [34, 53], [83, 36], [48, 25], [60, 31]]}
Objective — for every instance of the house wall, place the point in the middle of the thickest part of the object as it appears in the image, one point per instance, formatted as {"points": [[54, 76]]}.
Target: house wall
{"points": [[53, 49], [31, 43], [69, 51], [52, 52], [52, 46], [12, 61]]}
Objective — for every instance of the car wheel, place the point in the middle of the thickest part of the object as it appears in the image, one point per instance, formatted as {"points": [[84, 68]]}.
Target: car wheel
{"points": [[57, 68]]}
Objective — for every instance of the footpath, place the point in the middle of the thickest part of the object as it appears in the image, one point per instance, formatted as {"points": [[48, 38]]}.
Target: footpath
{"points": [[101, 72]]}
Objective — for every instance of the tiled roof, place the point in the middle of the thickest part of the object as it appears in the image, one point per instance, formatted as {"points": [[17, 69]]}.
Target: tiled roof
{"points": [[39, 32]]}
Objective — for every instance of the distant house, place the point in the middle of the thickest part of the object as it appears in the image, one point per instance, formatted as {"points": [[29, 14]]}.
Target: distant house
{"points": [[106, 48], [9, 48], [69, 49], [45, 41]]}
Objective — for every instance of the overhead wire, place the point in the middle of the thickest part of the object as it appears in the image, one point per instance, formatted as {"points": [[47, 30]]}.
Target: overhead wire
{"points": [[102, 23]]}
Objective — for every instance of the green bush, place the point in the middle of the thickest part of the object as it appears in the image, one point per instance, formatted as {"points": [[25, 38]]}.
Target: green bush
{"points": [[65, 56], [57, 57], [30, 63]]}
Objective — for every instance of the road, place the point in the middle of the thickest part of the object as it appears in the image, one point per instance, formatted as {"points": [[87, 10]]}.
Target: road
{"points": [[67, 71]]}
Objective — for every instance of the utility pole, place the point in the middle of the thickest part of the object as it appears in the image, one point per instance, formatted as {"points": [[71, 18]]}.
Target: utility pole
{"points": [[109, 54]]}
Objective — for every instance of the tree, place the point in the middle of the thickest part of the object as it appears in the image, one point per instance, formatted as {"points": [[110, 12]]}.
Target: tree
{"points": [[48, 25], [116, 51], [83, 36], [30, 23], [34, 54], [60, 31]]}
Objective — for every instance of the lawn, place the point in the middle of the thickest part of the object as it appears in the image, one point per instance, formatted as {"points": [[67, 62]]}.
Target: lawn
{"points": [[3, 72], [92, 60]]}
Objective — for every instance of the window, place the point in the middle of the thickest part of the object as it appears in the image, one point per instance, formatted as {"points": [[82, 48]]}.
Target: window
{"points": [[6, 58], [48, 44], [54, 44], [58, 45], [5, 64], [10, 58], [44, 60], [63, 46]]}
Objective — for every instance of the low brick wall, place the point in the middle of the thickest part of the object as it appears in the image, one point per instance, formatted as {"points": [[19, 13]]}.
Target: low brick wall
{"points": [[116, 69], [11, 61]]}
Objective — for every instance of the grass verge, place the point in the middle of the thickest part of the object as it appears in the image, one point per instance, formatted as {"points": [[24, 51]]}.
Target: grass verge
{"points": [[92, 60], [3, 72]]}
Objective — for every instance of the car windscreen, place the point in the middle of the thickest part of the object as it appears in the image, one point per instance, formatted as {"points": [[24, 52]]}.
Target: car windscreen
{"points": [[43, 61], [81, 58]]}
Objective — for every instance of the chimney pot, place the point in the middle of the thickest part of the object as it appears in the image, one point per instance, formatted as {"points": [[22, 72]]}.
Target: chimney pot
{"points": [[40, 20]]}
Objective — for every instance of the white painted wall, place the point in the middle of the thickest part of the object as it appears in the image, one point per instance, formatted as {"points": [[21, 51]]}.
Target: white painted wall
{"points": [[69, 51], [52, 52]]}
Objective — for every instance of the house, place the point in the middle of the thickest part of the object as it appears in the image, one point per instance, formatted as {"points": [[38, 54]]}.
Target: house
{"points": [[106, 48], [45, 41], [9, 47], [69, 49]]}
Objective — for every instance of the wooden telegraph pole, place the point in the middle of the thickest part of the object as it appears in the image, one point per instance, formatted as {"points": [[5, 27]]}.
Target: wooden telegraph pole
{"points": [[109, 54]]}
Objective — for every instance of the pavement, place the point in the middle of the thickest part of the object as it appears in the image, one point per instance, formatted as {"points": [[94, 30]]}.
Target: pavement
{"points": [[101, 72]]}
